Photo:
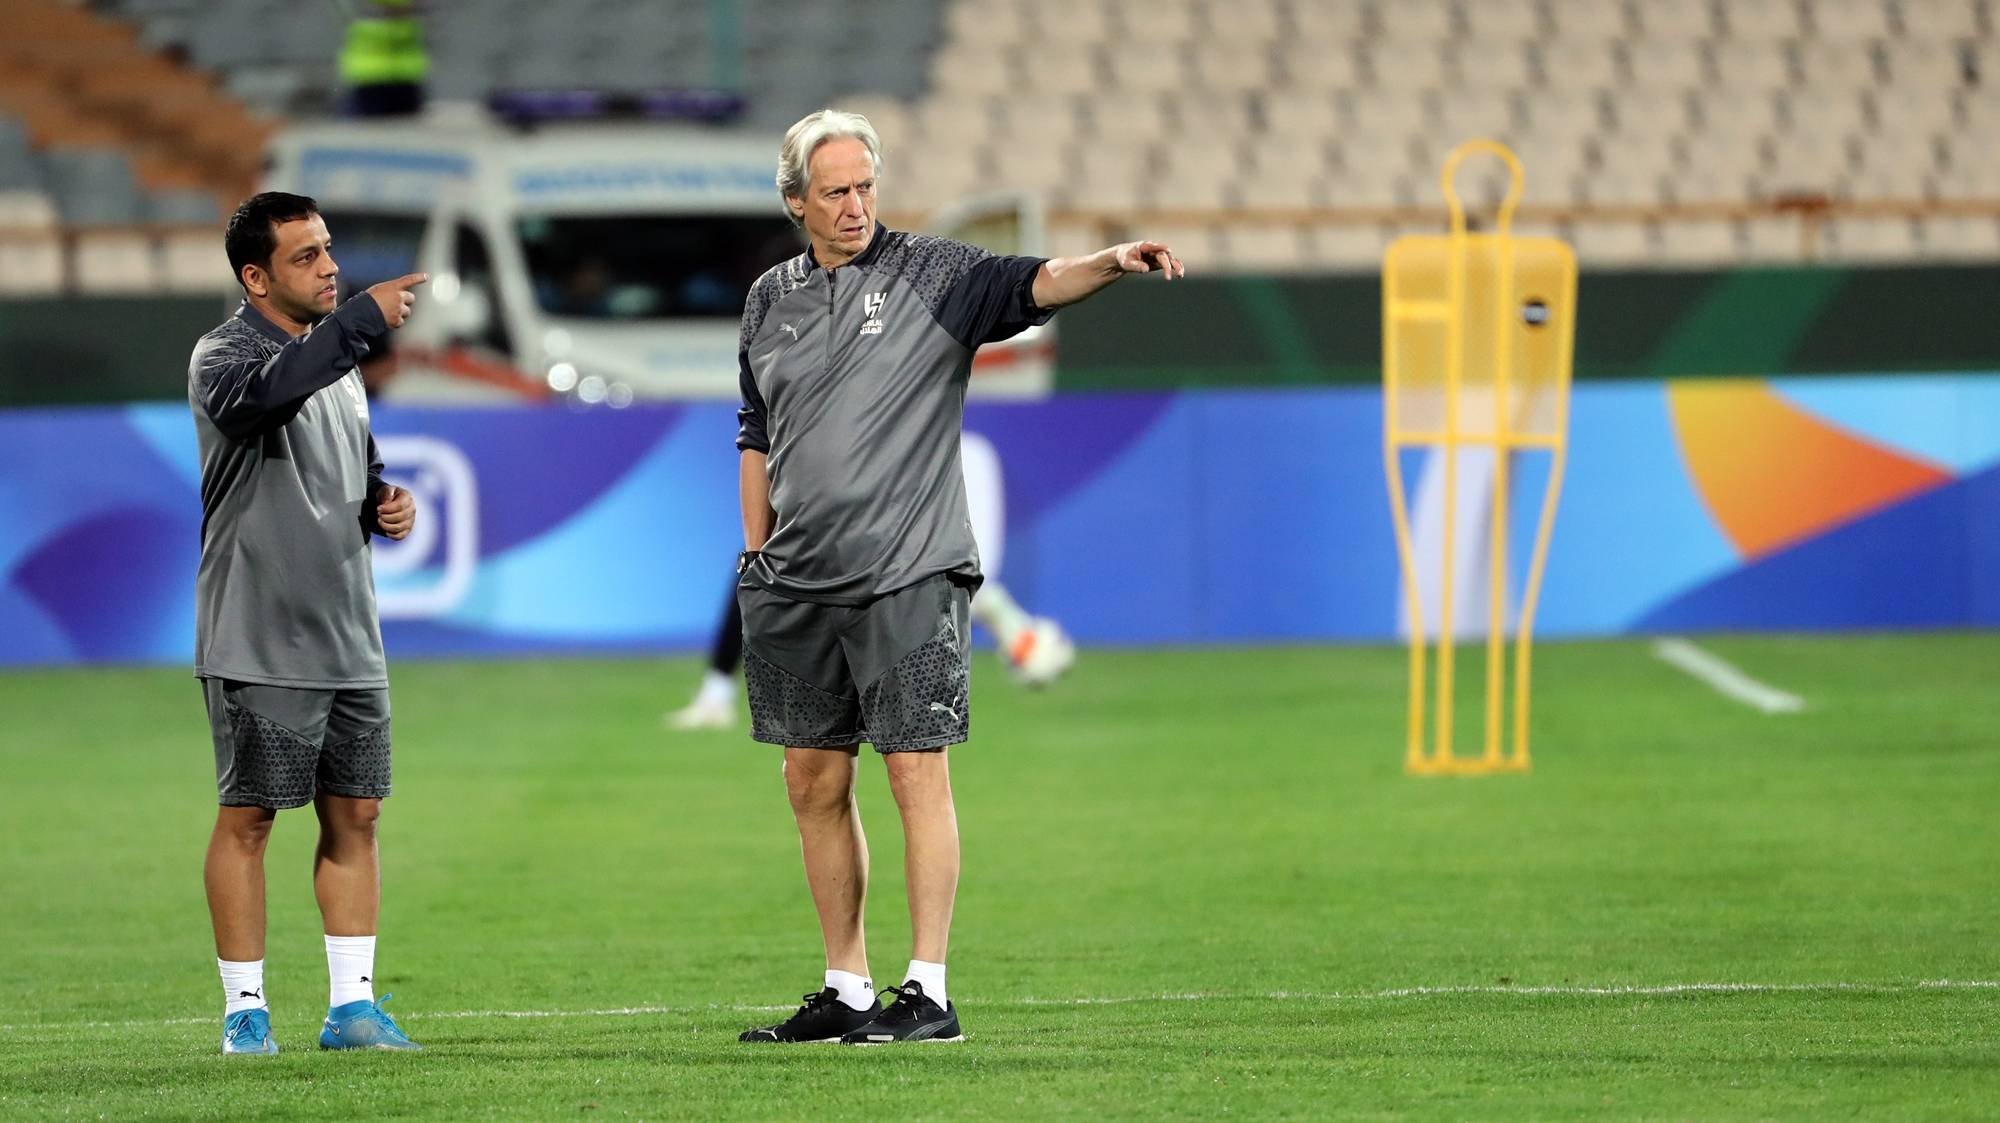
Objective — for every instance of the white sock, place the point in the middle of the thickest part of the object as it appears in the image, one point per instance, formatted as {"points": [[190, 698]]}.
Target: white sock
{"points": [[856, 991], [993, 607], [350, 968], [716, 689], [242, 986], [931, 975]]}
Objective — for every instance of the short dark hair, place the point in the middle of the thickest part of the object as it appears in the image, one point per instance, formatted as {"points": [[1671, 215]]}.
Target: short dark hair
{"points": [[252, 236]]}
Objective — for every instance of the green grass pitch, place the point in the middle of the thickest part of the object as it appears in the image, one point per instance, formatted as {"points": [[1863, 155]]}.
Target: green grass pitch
{"points": [[1197, 884]]}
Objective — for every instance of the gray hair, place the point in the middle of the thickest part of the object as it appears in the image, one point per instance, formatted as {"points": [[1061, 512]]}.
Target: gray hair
{"points": [[804, 138]]}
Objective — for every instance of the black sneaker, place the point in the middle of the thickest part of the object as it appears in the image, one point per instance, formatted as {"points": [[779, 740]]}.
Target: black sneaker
{"points": [[912, 1017], [824, 1017]]}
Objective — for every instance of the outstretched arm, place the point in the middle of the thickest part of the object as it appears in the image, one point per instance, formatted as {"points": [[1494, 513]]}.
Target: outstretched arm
{"points": [[1066, 280]]}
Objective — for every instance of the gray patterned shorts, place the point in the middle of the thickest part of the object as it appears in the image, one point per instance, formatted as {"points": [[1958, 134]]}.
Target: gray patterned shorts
{"points": [[278, 746], [895, 672]]}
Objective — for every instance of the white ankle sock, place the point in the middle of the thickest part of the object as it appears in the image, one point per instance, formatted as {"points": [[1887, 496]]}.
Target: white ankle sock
{"points": [[716, 689], [242, 986], [856, 991], [931, 975], [350, 968]]}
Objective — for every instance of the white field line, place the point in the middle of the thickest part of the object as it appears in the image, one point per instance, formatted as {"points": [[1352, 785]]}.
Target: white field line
{"points": [[1723, 677], [1394, 993]]}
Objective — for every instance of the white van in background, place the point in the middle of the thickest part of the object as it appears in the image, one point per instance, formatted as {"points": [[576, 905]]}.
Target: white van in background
{"points": [[601, 263]]}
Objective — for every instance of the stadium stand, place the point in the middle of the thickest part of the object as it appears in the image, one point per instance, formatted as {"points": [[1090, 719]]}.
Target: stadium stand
{"points": [[1280, 134], [110, 150]]}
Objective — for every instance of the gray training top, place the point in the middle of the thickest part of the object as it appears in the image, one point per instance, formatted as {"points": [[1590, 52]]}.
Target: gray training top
{"points": [[289, 471], [854, 385]]}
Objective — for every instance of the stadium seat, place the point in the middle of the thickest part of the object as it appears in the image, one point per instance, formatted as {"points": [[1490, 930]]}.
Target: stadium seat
{"points": [[1579, 63], [1247, 22], [1500, 23], [1917, 150], [1675, 20], [1809, 164], [1404, 65], [1160, 70], [1771, 240], [1075, 21], [1923, 65], [1152, 24], [996, 24], [1763, 23], [1328, 22], [1733, 111], [1587, 19], [966, 68], [1614, 244], [93, 186], [1651, 112], [1664, 64], [1835, 110], [1043, 167], [1750, 64], [1366, 184], [1892, 182], [182, 207], [193, 261], [1720, 153], [1961, 237], [1423, 21], [1199, 167], [1618, 186], [1565, 113], [1634, 154], [1139, 116], [1286, 189], [1275, 155], [1268, 249], [1215, 114], [1463, 115], [1850, 19], [1938, 21], [1318, 66], [1493, 64], [1348, 246], [1700, 242], [31, 264], [1844, 65], [953, 118], [1868, 240], [1686, 186], [1966, 177], [111, 261], [1038, 119], [1056, 68], [1232, 67], [1112, 178]]}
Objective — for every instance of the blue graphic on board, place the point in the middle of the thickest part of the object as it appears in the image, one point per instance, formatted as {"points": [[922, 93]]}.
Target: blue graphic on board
{"points": [[1209, 517]]}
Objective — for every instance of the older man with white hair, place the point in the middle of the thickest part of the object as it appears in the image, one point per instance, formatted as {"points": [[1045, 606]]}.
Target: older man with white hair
{"points": [[860, 563]]}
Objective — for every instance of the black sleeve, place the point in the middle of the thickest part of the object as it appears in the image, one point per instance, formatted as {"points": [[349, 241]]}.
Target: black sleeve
{"points": [[993, 300], [368, 504], [750, 433], [248, 395]]}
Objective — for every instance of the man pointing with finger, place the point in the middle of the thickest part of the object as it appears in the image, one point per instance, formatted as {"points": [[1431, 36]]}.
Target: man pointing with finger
{"points": [[287, 644], [860, 561]]}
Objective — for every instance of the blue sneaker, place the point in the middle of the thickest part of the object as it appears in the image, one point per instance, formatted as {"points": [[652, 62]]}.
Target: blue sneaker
{"points": [[248, 1031], [363, 1025]]}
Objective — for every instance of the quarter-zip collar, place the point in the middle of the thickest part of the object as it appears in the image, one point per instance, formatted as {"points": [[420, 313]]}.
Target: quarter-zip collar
{"points": [[263, 324], [873, 249]]}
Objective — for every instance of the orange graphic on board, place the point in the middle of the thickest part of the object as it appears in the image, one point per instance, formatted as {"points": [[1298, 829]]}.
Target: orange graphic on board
{"points": [[1772, 474]]}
